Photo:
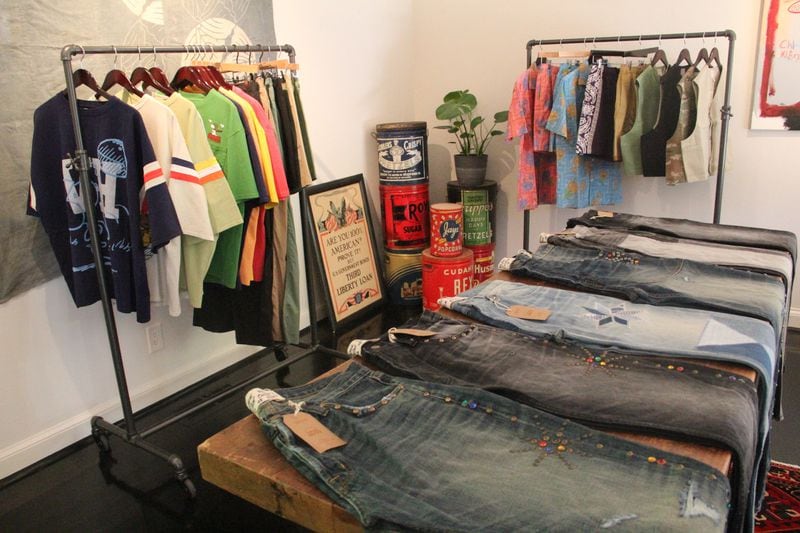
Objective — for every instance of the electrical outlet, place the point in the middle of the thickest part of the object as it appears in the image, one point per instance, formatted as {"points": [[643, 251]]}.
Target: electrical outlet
{"points": [[155, 337]]}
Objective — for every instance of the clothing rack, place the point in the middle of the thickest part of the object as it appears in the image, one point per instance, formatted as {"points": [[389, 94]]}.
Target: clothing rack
{"points": [[129, 433], [726, 108]]}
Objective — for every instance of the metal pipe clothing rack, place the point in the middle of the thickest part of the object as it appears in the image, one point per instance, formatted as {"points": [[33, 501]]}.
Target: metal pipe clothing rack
{"points": [[725, 111], [102, 429]]}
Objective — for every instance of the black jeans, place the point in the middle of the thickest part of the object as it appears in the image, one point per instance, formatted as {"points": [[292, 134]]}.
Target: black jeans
{"points": [[689, 229], [599, 388]]}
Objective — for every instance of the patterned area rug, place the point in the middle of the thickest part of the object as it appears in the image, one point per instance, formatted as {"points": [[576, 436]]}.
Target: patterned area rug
{"points": [[781, 509]]}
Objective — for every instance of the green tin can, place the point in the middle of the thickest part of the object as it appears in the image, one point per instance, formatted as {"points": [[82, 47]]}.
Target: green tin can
{"points": [[479, 210]]}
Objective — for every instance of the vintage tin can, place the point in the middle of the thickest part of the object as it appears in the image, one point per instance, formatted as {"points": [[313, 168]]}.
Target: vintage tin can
{"points": [[479, 213], [403, 273], [444, 276], [446, 223], [484, 262], [402, 152], [404, 209]]}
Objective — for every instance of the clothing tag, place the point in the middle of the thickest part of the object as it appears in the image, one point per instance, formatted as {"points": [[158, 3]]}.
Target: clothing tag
{"points": [[354, 348], [311, 430], [414, 332], [505, 263], [528, 313], [602, 214], [256, 397]]}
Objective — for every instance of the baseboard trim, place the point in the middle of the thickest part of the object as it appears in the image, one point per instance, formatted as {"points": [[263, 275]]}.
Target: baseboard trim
{"points": [[46, 442]]}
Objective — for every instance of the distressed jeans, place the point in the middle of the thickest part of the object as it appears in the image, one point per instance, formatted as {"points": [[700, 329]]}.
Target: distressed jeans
{"points": [[427, 456], [690, 229], [606, 322], [600, 388], [658, 281], [757, 259]]}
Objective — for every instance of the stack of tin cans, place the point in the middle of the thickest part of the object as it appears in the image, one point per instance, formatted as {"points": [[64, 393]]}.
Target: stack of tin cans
{"points": [[447, 267], [403, 173], [479, 223]]}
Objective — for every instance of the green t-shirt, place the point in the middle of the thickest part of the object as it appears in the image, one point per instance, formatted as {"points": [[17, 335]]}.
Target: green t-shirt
{"points": [[226, 137]]}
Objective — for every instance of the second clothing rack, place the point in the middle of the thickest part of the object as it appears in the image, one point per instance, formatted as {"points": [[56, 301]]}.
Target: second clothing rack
{"points": [[725, 111]]}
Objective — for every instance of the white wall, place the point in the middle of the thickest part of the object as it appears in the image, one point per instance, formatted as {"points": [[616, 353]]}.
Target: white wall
{"points": [[55, 367], [481, 46]]}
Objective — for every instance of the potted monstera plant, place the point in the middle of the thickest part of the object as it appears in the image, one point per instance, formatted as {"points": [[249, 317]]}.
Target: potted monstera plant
{"points": [[472, 134]]}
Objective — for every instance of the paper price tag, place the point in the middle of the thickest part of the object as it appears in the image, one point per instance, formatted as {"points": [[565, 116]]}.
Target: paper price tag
{"points": [[312, 432], [414, 332], [528, 313], [604, 214]]}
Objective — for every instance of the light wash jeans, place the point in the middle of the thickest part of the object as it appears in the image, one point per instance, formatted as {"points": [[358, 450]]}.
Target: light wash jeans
{"points": [[658, 281], [426, 456]]}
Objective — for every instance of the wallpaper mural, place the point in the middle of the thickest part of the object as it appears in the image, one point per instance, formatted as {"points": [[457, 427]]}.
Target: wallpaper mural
{"points": [[32, 33]]}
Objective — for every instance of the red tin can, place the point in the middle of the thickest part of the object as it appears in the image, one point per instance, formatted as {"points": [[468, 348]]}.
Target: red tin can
{"points": [[484, 261], [446, 223], [404, 209], [445, 276]]}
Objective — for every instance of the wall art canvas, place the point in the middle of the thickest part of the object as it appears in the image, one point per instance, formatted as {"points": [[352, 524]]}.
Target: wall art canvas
{"points": [[776, 99]]}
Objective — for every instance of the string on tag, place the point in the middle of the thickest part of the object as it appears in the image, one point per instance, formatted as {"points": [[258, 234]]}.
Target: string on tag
{"points": [[296, 405], [497, 303]]}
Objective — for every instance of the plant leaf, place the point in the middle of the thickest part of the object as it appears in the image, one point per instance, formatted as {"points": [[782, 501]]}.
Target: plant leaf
{"points": [[477, 121], [494, 133], [453, 96], [501, 116], [469, 101]]}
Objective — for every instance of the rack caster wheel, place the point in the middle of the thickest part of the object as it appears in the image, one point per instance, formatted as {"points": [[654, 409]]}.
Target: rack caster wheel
{"points": [[189, 489], [101, 440]]}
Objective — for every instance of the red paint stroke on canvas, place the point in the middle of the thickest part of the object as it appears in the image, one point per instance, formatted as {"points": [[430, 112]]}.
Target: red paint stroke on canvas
{"points": [[770, 110]]}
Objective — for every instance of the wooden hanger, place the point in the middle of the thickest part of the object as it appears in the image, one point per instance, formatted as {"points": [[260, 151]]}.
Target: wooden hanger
{"points": [[702, 55], [159, 76], [117, 77], [189, 76], [143, 76], [661, 56], [84, 77], [713, 56], [684, 57]]}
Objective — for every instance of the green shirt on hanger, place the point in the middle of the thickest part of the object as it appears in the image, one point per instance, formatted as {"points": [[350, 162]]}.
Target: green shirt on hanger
{"points": [[648, 97], [225, 133]]}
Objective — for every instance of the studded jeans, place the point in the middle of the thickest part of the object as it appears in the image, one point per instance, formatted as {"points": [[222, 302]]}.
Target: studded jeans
{"points": [[439, 457], [600, 388], [658, 281], [605, 322], [744, 257], [689, 229]]}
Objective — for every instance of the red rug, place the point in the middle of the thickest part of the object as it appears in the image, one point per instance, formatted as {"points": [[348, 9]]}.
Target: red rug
{"points": [[781, 509]]}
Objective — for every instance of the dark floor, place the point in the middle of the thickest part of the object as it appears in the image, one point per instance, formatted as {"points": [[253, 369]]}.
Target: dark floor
{"points": [[79, 492]]}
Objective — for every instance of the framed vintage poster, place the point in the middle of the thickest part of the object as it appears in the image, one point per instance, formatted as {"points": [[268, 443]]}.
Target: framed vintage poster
{"points": [[776, 96], [344, 245]]}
